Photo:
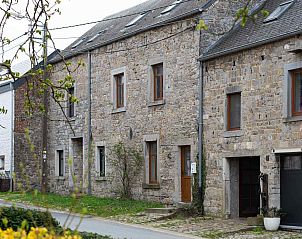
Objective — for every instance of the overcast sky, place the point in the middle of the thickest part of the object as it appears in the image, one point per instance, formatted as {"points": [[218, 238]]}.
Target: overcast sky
{"points": [[73, 12]]}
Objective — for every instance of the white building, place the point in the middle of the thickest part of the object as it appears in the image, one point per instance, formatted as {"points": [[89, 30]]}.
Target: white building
{"points": [[6, 126]]}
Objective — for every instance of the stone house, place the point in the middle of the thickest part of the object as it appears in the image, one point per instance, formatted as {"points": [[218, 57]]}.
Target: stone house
{"points": [[252, 112], [139, 86]]}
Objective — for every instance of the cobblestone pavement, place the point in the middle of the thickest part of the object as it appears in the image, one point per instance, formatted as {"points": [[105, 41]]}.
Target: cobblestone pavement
{"points": [[208, 227]]}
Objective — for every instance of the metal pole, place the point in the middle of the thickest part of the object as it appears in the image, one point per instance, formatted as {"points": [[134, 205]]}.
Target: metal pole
{"points": [[44, 123], [89, 123], [200, 133]]}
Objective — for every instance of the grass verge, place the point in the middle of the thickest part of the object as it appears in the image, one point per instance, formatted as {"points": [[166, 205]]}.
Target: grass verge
{"points": [[102, 207]]}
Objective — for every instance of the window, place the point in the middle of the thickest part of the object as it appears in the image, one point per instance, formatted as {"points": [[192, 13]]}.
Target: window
{"points": [[77, 44], [60, 163], [152, 152], [171, 7], [136, 19], [95, 36], [158, 81], [71, 111], [278, 11], [2, 162], [101, 161], [233, 111], [119, 90], [297, 93], [292, 162]]}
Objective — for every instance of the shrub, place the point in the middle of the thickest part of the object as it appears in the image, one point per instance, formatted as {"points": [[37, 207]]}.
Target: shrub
{"points": [[41, 233], [14, 218], [89, 235]]}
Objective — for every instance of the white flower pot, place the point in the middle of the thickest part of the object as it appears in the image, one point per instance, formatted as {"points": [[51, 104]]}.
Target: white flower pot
{"points": [[271, 224]]}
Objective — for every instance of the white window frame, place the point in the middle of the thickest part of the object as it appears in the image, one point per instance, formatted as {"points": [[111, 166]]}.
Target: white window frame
{"points": [[147, 139], [97, 156], [57, 162], [115, 72]]}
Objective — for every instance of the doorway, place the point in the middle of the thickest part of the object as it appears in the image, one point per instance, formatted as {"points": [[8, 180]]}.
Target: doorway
{"points": [[290, 189], [77, 157], [186, 174], [249, 186]]}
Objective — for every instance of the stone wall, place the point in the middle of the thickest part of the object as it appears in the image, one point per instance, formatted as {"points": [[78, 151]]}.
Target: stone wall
{"points": [[27, 146], [261, 76], [172, 121]]}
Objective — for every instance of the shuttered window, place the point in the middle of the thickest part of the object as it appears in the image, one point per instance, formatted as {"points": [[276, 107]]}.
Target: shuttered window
{"points": [[234, 111]]}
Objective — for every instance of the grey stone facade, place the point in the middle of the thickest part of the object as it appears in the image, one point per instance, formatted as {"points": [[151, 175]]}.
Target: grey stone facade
{"points": [[171, 122], [262, 75]]}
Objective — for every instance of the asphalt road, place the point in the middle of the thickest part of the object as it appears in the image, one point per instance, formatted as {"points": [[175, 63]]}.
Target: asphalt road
{"points": [[106, 227]]}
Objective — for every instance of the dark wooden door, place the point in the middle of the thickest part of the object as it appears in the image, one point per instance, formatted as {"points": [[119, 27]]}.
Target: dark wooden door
{"points": [[185, 174], [291, 189], [249, 186]]}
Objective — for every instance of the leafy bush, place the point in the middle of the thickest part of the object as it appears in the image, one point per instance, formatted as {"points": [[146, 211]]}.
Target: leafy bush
{"points": [[89, 235], [14, 218], [41, 233]]}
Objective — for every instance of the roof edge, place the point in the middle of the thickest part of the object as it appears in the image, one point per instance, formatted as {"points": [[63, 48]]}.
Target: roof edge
{"points": [[248, 46], [187, 14]]}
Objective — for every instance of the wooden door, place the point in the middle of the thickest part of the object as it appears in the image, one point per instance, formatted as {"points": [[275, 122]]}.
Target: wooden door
{"points": [[185, 174]]}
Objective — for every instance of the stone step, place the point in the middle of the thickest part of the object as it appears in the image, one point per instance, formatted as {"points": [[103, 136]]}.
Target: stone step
{"points": [[167, 210]]}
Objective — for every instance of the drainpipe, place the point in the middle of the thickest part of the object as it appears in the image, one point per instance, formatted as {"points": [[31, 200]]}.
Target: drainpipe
{"points": [[12, 137], [200, 132], [89, 123]]}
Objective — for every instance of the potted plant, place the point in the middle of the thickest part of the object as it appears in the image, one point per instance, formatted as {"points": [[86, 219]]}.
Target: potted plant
{"points": [[272, 218]]}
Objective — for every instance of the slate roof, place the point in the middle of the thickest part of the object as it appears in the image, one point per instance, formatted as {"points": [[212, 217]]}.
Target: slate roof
{"points": [[257, 33], [114, 25]]}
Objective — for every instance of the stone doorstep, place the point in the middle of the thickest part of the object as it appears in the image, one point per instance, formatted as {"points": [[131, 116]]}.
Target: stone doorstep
{"points": [[162, 211]]}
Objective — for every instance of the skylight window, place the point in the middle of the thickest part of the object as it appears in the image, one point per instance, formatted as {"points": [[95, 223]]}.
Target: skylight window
{"points": [[278, 11], [136, 19], [95, 36], [171, 7], [78, 43]]}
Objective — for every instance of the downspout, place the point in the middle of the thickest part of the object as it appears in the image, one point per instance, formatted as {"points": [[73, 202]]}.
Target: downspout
{"points": [[200, 134], [12, 137], [89, 123]]}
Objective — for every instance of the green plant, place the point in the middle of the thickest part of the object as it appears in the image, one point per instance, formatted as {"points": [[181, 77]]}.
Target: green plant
{"points": [[17, 217], [272, 212], [90, 235], [127, 162]]}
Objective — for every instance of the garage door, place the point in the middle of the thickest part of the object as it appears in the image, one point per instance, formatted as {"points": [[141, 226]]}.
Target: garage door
{"points": [[291, 189]]}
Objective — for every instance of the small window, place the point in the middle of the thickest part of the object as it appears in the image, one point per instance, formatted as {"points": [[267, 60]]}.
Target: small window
{"points": [[71, 110], [60, 163], [135, 20], [95, 36], [292, 162], [2, 161], [158, 81], [233, 111], [101, 161], [278, 11], [171, 7], [152, 152], [77, 44], [297, 93], [119, 90]]}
